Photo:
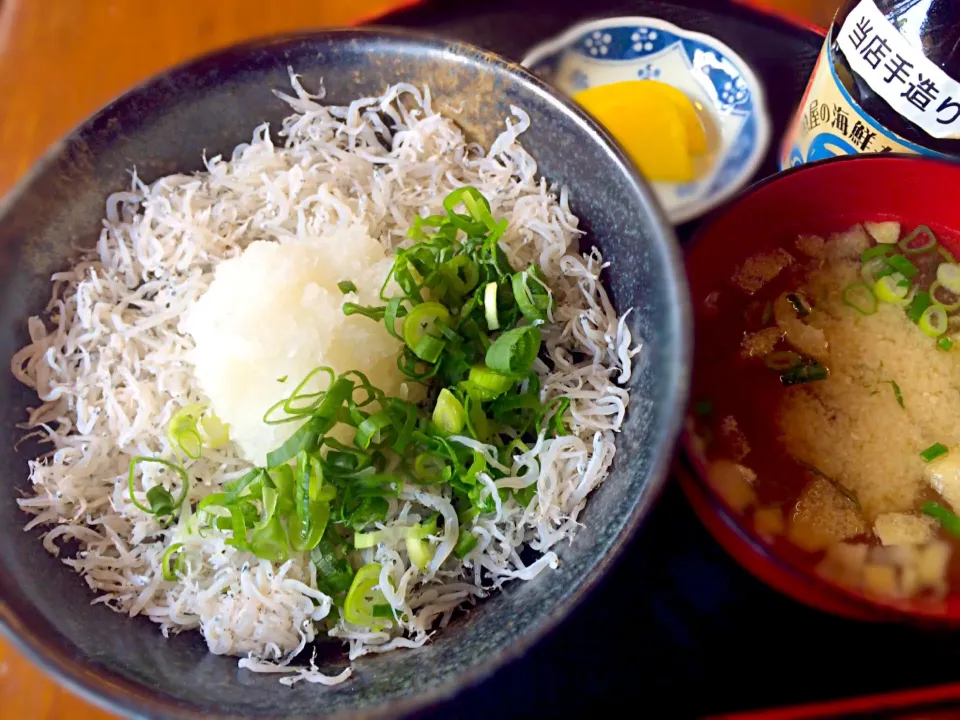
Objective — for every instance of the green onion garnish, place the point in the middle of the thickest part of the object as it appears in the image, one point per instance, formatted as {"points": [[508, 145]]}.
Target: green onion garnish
{"points": [[877, 251], [449, 415], [947, 299], [182, 431], [489, 383], [169, 571], [347, 286], [490, 306], [903, 266], [420, 331], [896, 393], [860, 297], [160, 502], [465, 543], [532, 294], [513, 352], [945, 343], [874, 269], [920, 240], [933, 322], [358, 608], [948, 520], [921, 301], [934, 451], [949, 276], [362, 541], [893, 289], [808, 372]]}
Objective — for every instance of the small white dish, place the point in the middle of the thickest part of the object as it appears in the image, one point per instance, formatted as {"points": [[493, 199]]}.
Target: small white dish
{"points": [[722, 86]]}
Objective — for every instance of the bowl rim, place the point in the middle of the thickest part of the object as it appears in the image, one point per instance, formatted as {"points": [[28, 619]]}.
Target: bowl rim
{"points": [[868, 608], [693, 209], [116, 693]]}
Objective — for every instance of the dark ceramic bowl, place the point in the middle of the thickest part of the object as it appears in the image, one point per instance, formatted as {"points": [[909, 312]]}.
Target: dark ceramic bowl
{"points": [[818, 198], [213, 104]]}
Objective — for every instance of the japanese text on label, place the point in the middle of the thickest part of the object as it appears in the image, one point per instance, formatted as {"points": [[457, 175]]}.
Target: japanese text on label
{"points": [[899, 73]]}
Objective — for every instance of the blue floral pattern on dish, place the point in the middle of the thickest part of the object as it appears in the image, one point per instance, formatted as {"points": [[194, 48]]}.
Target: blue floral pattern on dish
{"points": [[618, 49], [631, 43]]}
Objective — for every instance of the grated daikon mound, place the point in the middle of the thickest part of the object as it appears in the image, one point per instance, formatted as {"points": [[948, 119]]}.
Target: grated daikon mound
{"points": [[273, 314]]}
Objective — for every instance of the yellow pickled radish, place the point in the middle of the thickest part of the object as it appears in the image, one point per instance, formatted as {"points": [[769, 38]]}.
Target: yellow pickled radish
{"points": [[656, 124], [696, 135]]}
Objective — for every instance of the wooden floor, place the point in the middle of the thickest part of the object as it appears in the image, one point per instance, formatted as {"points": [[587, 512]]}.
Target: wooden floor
{"points": [[62, 59]]}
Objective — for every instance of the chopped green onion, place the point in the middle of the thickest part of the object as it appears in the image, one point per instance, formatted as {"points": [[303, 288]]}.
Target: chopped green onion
{"points": [[948, 520], [363, 541], [889, 290], [305, 438], [783, 360], [896, 393], [169, 571], [465, 543], [429, 348], [533, 302], [418, 326], [920, 240], [346, 286], [949, 303], [362, 596], [808, 372], [875, 252], [949, 276], [160, 502], [305, 535], [934, 451], [490, 306], [462, 273], [799, 303], [268, 541], [334, 573], [424, 529], [874, 269], [933, 322], [903, 266], [448, 414], [374, 313], [419, 551], [514, 351], [429, 468], [217, 431], [182, 430], [371, 428], [489, 382], [945, 343], [921, 301], [860, 297]]}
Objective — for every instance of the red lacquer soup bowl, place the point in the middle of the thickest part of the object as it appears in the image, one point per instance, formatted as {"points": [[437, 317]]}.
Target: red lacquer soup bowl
{"points": [[816, 199]]}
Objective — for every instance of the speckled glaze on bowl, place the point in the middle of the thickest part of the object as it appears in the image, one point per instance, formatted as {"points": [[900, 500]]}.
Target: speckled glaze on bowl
{"points": [[213, 104]]}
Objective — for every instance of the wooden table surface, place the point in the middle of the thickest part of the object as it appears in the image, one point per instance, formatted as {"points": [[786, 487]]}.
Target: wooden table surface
{"points": [[60, 60]]}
